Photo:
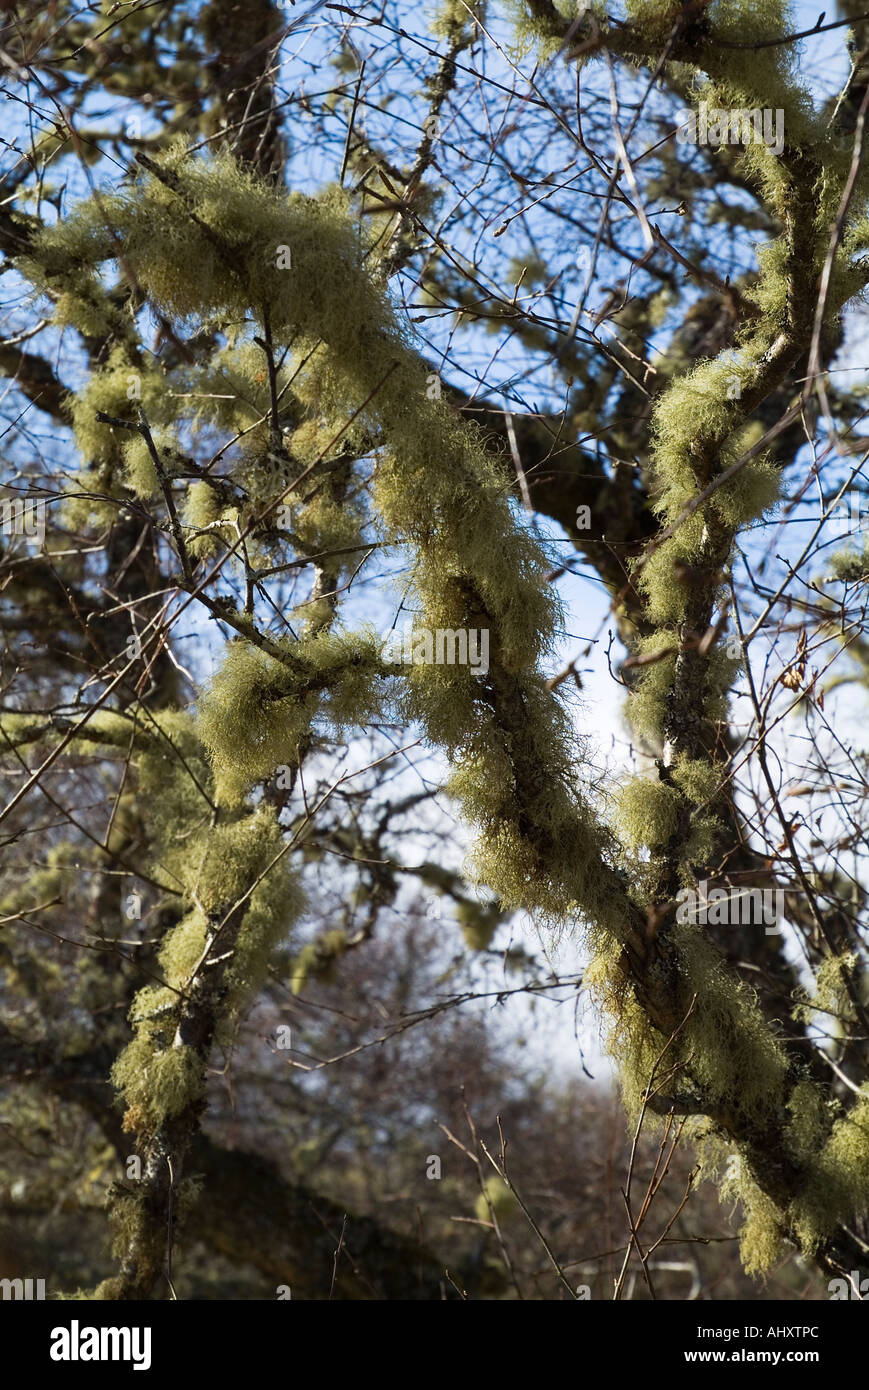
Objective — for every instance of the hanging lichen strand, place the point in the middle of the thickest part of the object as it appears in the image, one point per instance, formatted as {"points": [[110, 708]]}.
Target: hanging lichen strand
{"points": [[204, 241]]}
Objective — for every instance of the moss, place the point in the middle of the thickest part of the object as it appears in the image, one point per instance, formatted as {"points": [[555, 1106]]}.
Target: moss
{"points": [[721, 671], [82, 512], [850, 566], [140, 475], [562, 865], [753, 491], [648, 701], [666, 580], [57, 879], [724, 1051], [203, 507], [273, 909], [183, 946], [250, 700], [221, 863], [236, 865], [699, 397], [325, 524], [437, 493], [452, 17], [701, 783], [466, 528]]}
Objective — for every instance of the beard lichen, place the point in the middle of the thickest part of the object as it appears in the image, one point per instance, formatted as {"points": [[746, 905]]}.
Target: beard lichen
{"points": [[257, 709], [646, 812]]}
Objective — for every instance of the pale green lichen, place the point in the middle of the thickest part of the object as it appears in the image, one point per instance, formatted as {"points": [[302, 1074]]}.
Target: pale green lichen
{"points": [[809, 1125], [734, 1057], [629, 1037], [318, 960], [121, 388], [700, 781], [838, 1188], [157, 1083], [478, 922], [830, 997], [761, 1236], [646, 812], [257, 709], [705, 837], [140, 473]]}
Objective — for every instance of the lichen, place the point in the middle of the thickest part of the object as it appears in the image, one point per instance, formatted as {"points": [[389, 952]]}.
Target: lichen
{"points": [[257, 709], [646, 812], [157, 1083]]}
